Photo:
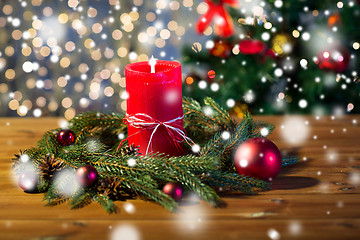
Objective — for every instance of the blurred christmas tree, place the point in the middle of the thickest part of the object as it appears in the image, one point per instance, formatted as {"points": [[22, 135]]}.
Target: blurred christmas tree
{"points": [[296, 56], [68, 56]]}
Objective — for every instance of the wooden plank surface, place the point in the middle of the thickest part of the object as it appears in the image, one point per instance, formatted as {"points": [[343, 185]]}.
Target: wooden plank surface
{"points": [[317, 199]]}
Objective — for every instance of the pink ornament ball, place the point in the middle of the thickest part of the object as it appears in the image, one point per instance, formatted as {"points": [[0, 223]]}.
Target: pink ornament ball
{"points": [[259, 158], [86, 175], [174, 190]]}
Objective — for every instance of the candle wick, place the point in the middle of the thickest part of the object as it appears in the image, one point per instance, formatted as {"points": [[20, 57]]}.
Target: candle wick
{"points": [[152, 63]]}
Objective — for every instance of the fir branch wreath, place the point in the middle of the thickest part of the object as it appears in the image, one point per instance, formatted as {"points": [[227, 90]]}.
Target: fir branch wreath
{"points": [[207, 172]]}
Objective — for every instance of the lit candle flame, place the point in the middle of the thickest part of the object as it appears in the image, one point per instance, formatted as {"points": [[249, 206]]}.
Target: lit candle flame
{"points": [[152, 63]]}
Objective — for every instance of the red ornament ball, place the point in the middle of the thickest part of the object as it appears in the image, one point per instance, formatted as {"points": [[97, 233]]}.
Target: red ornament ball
{"points": [[28, 181], [334, 19], [86, 175], [335, 59], [174, 190], [259, 158], [250, 47], [211, 74], [65, 137]]}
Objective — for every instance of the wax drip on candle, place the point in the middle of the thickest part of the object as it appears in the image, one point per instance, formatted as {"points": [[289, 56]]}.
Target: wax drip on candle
{"points": [[152, 63]]}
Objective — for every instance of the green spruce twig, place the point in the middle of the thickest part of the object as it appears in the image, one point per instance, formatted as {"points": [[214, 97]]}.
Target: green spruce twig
{"points": [[125, 175]]}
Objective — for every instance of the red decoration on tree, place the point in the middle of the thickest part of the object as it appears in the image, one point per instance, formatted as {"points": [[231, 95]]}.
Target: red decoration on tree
{"points": [[174, 190], [221, 49], [270, 53], [211, 74], [334, 19], [28, 181], [250, 46], [258, 157], [86, 175], [65, 137], [336, 59], [224, 26]]}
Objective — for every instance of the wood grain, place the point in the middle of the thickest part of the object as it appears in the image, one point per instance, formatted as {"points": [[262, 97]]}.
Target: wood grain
{"points": [[317, 199]]}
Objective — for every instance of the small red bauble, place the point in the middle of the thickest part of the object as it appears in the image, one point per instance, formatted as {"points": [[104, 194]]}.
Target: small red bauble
{"points": [[174, 190], [65, 137], [335, 59], [28, 181], [259, 158], [250, 47], [86, 175], [334, 19], [211, 74], [270, 53]]}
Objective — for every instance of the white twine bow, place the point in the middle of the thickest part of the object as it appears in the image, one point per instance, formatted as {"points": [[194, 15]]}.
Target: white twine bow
{"points": [[144, 121]]}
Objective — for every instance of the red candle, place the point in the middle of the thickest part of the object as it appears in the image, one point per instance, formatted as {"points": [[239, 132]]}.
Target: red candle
{"points": [[155, 102]]}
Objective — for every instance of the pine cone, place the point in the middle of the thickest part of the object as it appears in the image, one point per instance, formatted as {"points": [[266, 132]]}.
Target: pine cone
{"points": [[129, 150], [108, 187], [49, 165], [111, 187]]}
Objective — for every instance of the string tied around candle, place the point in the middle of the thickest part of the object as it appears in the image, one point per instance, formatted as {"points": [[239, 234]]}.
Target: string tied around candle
{"points": [[144, 122]]}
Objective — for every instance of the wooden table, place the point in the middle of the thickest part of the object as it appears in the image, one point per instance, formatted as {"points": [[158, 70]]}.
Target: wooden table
{"points": [[317, 199]]}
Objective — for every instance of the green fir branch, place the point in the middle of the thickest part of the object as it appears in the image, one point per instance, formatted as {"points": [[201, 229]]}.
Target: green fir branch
{"points": [[233, 182], [195, 116], [52, 202], [289, 161], [221, 116], [48, 143], [95, 123], [193, 183], [91, 120], [106, 203], [53, 198], [80, 200], [194, 163], [205, 173], [148, 192]]}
